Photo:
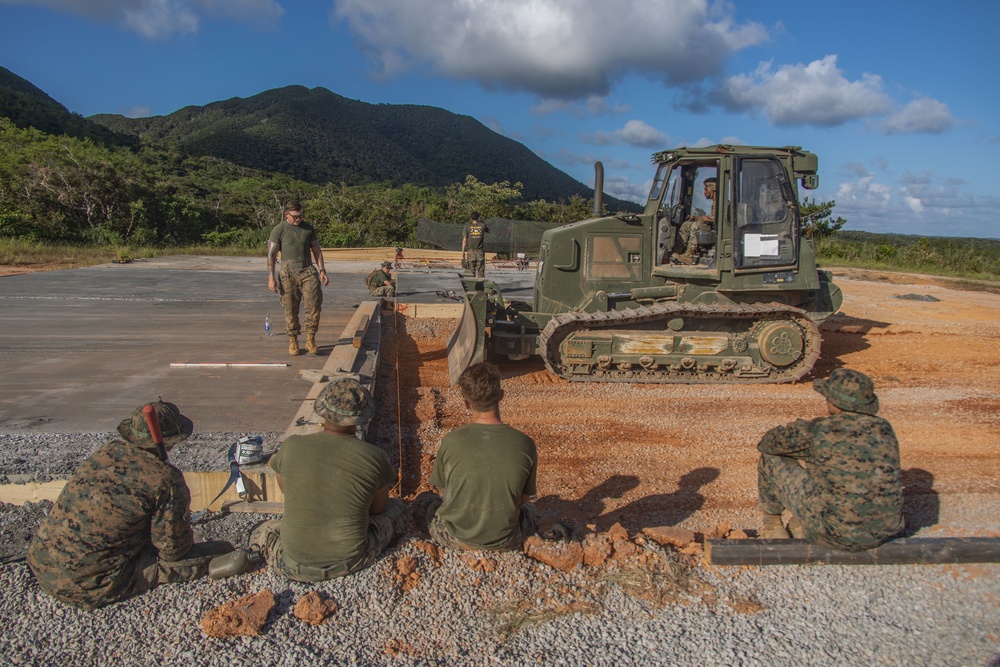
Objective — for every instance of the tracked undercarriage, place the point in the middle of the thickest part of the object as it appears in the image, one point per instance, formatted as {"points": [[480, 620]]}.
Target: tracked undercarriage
{"points": [[683, 343]]}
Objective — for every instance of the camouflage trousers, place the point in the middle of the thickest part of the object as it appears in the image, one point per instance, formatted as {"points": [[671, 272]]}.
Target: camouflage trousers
{"points": [[386, 291], [427, 521], [300, 286], [782, 483], [144, 572], [476, 263], [383, 530]]}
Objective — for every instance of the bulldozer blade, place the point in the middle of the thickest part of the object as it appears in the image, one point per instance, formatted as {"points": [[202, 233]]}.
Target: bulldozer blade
{"points": [[466, 343]]}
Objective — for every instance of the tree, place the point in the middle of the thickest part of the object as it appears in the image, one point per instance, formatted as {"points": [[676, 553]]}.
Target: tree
{"points": [[816, 219]]}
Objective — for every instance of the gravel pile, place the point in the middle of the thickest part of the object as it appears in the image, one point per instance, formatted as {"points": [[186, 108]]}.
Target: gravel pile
{"points": [[505, 609]]}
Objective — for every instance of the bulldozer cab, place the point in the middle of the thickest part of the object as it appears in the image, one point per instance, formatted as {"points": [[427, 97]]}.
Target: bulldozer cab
{"points": [[735, 213]]}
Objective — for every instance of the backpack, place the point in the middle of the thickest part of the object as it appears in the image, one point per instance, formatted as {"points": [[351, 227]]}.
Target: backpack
{"points": [[370, 279]]}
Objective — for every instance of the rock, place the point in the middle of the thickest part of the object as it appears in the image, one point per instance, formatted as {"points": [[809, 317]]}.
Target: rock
{"points": [[246, 616], [482, 564], [720, 530], [406, 565], [670, 536], [565, 556], [313, 608], [737, 535], [597, 549], [430, 549], [693, 549], [617, 532]]}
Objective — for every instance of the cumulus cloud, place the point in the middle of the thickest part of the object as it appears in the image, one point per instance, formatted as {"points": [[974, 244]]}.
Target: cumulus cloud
{"points": [[623, 188], [634, 133], [814, 94], [161, 19], [562, 49], [923, 115], [917, 203]]}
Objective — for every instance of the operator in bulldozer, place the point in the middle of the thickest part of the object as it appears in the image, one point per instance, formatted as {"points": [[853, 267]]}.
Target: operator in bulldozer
{"points": [[838, 475], [686, 244]]}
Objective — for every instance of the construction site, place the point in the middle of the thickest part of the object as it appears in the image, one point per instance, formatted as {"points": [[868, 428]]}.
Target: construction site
{"points": [[657, 481]]}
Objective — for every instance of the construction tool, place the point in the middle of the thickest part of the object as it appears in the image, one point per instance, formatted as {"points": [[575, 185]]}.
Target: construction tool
{"points": [[234, 478]]}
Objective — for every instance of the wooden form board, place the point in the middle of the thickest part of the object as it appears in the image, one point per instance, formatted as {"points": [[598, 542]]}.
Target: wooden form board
{"points": [[910, 550], [258, 480], [418, 310]]}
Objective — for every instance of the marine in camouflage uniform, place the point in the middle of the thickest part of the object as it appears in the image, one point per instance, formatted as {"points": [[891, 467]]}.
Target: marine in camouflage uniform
{"points": [[338, 517], [839, 475], [473, 248], [381, 284], [686, 249], [299, 278], [122, 524]]}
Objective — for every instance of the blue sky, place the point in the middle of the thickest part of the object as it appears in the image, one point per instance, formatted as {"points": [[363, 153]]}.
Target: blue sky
{"points": [[896, 98]]}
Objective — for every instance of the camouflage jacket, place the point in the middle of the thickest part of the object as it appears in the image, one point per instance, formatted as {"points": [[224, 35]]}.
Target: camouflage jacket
{"points": [[121, 500], [853, 461]]}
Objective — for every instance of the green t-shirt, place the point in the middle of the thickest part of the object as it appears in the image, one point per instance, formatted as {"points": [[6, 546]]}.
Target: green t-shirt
{"points": [[329, 482], [484, 470], [474, 235], [294, 241]]}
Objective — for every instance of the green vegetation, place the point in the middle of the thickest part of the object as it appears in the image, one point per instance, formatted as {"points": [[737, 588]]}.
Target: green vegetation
{"points": [[969, 258]]}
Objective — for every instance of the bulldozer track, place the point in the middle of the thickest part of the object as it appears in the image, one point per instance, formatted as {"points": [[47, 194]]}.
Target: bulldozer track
{"points": [[563, 326]]}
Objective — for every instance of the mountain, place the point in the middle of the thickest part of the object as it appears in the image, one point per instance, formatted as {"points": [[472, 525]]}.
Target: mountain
{"points": [[318, 136], [28, 106]]}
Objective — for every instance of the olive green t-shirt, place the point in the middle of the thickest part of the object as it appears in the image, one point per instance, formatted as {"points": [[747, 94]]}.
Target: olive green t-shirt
{"points": [[484, 470], [294, 241], [329, 482]]}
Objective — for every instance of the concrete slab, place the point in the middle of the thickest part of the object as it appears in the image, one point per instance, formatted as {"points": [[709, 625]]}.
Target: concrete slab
{"points": [[81, 348]]}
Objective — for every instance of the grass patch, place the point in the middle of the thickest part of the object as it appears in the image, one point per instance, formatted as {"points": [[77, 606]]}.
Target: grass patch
{"points": [[665, 582], [512, 618], [25, 253]]}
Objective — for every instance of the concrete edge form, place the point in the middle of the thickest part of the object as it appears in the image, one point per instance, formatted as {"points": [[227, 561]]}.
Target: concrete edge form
{"points": [[907, 550]]}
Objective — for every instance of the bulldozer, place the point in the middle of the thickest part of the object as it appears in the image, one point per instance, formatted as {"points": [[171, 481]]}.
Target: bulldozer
{"points": [[714, 282]]}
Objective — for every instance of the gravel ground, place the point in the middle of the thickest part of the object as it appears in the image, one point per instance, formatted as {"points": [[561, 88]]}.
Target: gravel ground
{"points": [[523, 612]]}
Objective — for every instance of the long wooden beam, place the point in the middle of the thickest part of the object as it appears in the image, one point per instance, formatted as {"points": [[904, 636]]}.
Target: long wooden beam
{"points": [[909, 550]]}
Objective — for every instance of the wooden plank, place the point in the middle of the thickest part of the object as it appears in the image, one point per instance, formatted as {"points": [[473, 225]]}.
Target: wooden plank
{"points": [[911, 550], [204, 486], [359, 335], [419, 310], [31, 492], [344, 359]]}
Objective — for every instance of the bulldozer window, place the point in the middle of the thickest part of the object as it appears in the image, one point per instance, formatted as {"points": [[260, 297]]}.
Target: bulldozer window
{"points": [[765, 219], [615, 258]]}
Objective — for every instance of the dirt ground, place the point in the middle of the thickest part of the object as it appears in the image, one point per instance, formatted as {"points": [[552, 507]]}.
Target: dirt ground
{"points": [[686, 455]]}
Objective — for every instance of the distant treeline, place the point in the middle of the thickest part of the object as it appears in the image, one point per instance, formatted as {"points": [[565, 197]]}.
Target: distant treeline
{"points": [[71, 190], [974, 258]]}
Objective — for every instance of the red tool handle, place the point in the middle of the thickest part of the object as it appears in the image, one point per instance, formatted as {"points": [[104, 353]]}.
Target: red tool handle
{"points": [[154, 430]]}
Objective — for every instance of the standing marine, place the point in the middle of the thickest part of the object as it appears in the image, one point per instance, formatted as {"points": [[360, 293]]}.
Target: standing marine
{"points": [[338, 517], [473, 252], [838, 475], [122, 524], [299, 278]]}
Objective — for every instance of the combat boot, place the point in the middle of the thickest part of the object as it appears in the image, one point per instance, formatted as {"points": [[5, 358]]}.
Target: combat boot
{"points": [[796, 529], [293, 346], [773, 528], [311, 343]]}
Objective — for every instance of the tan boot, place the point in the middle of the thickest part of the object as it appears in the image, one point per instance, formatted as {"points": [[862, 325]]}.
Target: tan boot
{"points": [[293, 346], [773, 528], [311, 343], [796, 529]]}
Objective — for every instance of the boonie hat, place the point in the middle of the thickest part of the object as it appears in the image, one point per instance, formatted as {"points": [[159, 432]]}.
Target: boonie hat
{"points": [[345, 402], [174, 426], [849, 390], [387, 263]]}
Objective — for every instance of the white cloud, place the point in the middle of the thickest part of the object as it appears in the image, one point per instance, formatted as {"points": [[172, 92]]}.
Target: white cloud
{"points": [[923, 115], [161, 19], [139, 111], [624, 188], [564, 49], [634, 133], [815, 94], [918, 203]]}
